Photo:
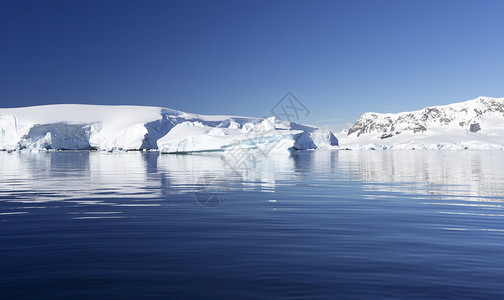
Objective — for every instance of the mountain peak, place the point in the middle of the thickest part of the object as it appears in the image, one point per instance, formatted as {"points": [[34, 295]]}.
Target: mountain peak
{"points": [[481, 116]]}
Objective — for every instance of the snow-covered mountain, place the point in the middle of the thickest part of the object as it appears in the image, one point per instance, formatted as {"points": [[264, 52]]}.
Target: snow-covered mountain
{"points": [[74, 126], [474, 124]]}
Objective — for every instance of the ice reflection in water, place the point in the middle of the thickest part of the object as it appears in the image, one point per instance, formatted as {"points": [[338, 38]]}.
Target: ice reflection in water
{"points": [[128, 179], [466, 178], [458, 173], [312, 225], [467, 183]]}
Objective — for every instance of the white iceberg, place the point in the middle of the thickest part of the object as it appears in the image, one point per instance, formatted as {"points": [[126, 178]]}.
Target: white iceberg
{"points": [[86, 127]]}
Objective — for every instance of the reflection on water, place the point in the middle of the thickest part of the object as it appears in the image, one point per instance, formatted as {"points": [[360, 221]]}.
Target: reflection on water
{"points": [[86, 177], [464, 173], [471, 178], [314, 224], [467, 183], [135, 179]]}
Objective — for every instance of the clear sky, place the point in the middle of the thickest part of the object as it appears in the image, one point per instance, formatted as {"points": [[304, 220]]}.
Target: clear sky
{"points": [[340, 58]]}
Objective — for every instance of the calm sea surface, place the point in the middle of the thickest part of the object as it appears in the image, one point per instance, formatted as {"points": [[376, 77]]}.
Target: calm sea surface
{"points": [[312, 225]]}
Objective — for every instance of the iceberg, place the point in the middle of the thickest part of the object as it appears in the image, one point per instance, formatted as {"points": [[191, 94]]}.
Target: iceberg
{"points": [[104, 127]]}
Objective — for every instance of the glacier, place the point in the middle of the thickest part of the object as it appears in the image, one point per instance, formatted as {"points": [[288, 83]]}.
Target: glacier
{"points": [[476, 124], [106, 127]]}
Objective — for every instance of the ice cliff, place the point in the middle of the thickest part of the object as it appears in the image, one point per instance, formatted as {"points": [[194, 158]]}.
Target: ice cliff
{"points": [[87, 127]]}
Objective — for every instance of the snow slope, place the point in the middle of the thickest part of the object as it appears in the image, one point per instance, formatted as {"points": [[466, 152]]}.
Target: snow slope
{"points": [[79, 127], [476, 124]]}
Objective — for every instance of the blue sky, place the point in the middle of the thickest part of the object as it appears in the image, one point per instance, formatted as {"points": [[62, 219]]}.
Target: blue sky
{"points": [[340, 58]]}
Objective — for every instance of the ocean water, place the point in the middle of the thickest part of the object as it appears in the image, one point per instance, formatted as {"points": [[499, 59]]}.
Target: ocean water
{"points": [[311, 225]]}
